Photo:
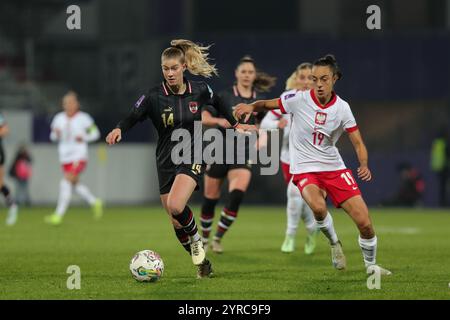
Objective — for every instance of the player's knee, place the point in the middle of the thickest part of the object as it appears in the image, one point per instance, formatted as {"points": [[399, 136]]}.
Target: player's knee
{"points": [[319, 209], [174, 207]]}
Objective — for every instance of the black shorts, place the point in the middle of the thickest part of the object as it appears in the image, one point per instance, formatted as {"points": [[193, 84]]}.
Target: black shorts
{"points": [[166, 176], [220, 171]]}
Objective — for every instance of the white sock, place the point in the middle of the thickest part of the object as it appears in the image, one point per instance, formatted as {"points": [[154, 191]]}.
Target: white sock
{"points": [[308, 217], [369, 250], [195, 237], [84, 192], [65, 193], [327, 227], [293, 208]]}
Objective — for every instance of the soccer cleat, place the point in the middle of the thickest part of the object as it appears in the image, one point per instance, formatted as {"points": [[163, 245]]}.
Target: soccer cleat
{"points": [[11, 219], [383, 271], [288, 245], [337, 256], [204, 270], [97, 208], [197, 252], [310, 244], [216, 246], [205, 244], [53, 219]]}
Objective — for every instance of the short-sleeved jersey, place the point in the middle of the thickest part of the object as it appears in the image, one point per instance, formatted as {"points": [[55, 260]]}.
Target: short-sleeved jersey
{"points": [[169, 112], [69, 149], [315, 130]]}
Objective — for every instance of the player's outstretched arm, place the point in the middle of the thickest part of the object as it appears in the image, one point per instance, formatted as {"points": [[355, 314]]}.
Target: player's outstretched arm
{"points": [[363, 156], [257, 106]]}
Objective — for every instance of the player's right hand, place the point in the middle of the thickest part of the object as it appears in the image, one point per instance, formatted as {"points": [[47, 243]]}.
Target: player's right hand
{"points": [[114, 136], [224, 123], [243, 109]]}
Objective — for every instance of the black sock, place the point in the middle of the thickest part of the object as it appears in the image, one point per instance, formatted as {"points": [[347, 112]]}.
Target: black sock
{"points": [[207, 216], [183, 238], [187, 221], [229, 213]]}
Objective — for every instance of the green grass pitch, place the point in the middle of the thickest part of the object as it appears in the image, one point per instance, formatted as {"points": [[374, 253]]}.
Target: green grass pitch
{"points": [[414, 244]]}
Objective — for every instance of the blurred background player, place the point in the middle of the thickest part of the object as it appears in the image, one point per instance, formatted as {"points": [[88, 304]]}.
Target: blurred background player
{"points": [[296, 207], [21, 171], [319, 117], [11, 218], [173, 105], [411, 187], [249, 84], [73, 129]]}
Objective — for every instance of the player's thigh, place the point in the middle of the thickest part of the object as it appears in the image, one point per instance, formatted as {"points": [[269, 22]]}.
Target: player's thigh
{"points": [[239, 179], [180, 192], [212, 187], [357, 209], [315, 198]]}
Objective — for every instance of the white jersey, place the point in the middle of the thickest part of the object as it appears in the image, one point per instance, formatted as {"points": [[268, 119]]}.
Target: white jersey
{"points": [[315, 130], [270, 121], [79, 125]]}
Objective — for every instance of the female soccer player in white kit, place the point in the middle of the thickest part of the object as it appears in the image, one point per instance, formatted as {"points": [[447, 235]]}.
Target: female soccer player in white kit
{"points": [[319, 117], [296, 207], [73, 129]]}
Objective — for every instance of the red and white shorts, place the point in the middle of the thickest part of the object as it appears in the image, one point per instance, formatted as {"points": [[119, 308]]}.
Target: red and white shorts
{"points": [[286, 174], [340, 185], [74, 168]]}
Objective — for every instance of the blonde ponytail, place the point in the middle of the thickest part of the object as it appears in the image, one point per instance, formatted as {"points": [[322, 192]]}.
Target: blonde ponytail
{"points": [[195, 57]]}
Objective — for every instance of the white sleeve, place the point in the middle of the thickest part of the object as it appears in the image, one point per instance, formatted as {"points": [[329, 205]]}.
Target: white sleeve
{"points": [[348, 120], [92, 133], [289, 101], [270, 121]]}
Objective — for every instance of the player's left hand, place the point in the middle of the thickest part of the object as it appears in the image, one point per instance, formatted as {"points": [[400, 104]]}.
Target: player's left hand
{"points": [[364, 173], [79, 139]]}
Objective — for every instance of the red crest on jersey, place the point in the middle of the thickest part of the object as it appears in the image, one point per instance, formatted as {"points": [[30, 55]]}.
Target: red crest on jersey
{"points": [[321, 118], [193, 106]]}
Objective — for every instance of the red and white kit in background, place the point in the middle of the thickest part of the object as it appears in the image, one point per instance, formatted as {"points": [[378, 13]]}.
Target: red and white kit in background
{"points": [[270, 122], [315, 129], [73, 154]]}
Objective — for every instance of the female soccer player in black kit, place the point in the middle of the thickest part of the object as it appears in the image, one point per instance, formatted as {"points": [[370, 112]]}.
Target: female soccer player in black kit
{"points": [[176, 104], [249, 84]]}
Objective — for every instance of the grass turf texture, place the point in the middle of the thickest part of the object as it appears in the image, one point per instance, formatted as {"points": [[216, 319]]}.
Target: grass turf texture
{"points": [[414, 244]]}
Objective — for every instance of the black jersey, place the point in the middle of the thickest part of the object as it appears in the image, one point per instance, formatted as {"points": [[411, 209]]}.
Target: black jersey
{"points": [[169, 112], [229, 98]]}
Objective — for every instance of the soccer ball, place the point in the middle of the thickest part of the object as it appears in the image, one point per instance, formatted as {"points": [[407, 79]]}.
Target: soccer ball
{"points": [[146, 266]]}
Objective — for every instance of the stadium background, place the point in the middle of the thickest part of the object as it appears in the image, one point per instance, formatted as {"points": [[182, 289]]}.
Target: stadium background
{"points": [[396, 79]]}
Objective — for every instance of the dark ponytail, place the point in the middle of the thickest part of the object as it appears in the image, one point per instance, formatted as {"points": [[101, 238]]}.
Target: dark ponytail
{"points": [[330, 61]]}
